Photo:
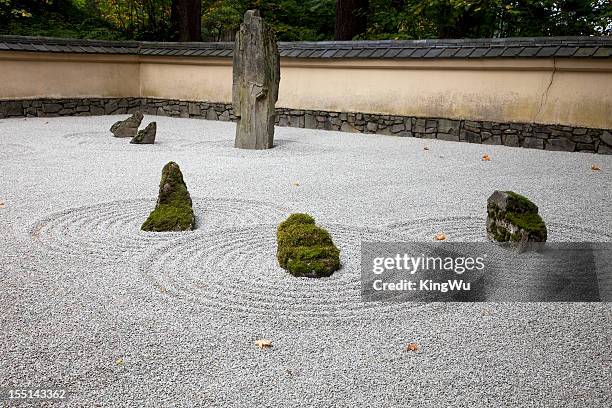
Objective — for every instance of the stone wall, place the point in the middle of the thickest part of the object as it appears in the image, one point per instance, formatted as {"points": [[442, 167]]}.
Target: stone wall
{"points": [[535, 136]]}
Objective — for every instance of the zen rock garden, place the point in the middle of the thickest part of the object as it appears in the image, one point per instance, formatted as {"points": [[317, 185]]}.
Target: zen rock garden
{"points": [[227, 264], [303, 248]]}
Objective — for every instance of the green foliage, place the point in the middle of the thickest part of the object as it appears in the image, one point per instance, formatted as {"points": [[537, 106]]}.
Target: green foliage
{"points": [[310, 20], [173, 211], [139, 19], [404, 19], [55, 18], [305, 249], [292, 20], [220, 19]]}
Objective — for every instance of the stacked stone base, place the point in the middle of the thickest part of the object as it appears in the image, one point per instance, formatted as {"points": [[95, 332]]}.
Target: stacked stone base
{"points": [[534, 136]]}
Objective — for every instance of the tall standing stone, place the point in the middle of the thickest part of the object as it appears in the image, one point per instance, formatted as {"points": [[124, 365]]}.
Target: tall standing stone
{"points": [[255, 83]]}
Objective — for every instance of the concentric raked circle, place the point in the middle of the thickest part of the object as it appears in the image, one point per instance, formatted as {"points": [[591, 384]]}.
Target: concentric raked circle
{"points": [[473, 229], [112, 230], [563, 273], [10, 150], [95, 140], [236, 271], [83, 138]]}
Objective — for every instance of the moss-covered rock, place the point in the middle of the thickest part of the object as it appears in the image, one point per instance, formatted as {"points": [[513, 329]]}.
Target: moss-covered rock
{"points": [[173, 211], [294, 219], [305, 249], [512, 217]]}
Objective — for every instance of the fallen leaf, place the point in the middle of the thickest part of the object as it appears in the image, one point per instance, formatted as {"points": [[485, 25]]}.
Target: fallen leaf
{"points": [[425, 148], [295, 183], [119, 361], [263, 343], [1, 204], [595, 167], [485, 157], [440, 236], [412, 347]]}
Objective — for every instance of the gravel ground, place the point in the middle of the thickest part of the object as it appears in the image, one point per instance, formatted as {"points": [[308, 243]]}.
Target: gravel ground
{"points": [[126, 318]]}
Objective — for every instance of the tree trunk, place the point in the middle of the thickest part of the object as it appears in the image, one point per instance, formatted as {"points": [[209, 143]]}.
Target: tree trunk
{"points": [[186, 19], [351, 18]]}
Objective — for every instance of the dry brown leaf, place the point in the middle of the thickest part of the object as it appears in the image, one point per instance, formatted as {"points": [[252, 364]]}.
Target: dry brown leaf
{"points": [[263, 343], [440, 236], [295, 183], [412, 347], [485, 157], [119, 361], [1, 204], [425, 148], [595, 167]]}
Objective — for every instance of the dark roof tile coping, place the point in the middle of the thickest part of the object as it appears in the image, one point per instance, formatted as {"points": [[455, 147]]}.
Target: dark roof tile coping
{"points": [[538, 47]]}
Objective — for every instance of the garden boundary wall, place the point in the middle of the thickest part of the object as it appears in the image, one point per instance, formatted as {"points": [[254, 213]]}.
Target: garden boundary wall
{"points": [[546, 93]]}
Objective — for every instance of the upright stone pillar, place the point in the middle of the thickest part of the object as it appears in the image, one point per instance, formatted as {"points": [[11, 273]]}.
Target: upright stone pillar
{"points": [[255, 83]]}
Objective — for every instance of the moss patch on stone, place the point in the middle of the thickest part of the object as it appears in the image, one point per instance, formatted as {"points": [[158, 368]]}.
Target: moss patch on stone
{"points": [[514, 218], [520, 204], [530, 222], [304, 249], [293, 219], [173, 211]]}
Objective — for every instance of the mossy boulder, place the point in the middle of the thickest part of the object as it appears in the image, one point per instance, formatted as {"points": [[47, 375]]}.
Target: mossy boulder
{"points": [[513, 218], [173, 211], [304, 249]]}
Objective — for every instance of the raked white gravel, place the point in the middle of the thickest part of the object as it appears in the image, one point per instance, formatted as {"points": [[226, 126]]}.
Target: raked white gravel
{"points": [[125, 318]]}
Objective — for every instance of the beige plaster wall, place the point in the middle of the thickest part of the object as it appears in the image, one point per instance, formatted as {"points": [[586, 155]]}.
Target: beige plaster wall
{"points": [[577, 93], [201, 79], [574, 92], [40, 75]]}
